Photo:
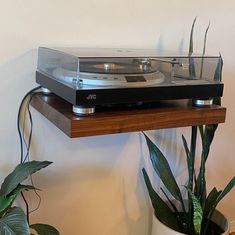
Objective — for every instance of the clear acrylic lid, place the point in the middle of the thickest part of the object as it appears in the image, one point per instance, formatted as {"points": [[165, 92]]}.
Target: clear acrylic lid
{"points": [[76, 66]]}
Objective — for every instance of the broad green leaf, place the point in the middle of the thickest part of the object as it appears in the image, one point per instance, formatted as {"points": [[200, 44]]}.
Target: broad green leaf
{"points": [[20, 173], [161, 209], [7, 201], [44, 229], [14, 222], [197, 213], [163, 170]]}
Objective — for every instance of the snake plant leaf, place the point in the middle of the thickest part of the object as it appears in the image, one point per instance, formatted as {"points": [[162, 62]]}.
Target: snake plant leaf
{"points": [[210, 203], [19, 174], [44, 229], [191, 37], [197, 213], [14, 222], [169, 201], [190, 163], [163, 170], [192, 72], [218, 70], [214, 200], [209, 134], [227, 189], [186, 147], [205, 38], [204, 49], [161, 209]]}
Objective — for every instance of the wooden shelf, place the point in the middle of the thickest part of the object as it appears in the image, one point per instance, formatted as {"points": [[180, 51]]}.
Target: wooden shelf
{"points": [[163, 115]]}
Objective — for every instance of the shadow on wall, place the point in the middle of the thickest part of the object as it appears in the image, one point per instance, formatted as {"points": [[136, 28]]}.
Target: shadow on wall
{"points": [[94, 195]]}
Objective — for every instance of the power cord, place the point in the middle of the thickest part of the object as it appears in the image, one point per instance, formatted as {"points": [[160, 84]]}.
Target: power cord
{"points": [[25, 157]]}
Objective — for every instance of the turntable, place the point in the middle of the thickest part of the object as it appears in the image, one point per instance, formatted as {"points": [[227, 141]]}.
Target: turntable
{"points": [[91, 77]]}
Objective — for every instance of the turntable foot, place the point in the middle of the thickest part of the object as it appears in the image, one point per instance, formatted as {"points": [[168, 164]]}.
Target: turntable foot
{"points": [[45, 91], [83, 110], [202, 103]]}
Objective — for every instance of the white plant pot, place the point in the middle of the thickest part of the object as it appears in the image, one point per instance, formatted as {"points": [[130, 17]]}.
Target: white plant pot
{"points": [[159, 228]]}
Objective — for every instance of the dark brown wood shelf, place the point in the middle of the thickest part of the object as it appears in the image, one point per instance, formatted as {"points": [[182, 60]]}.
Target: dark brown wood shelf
{"points": [[163, 115]]}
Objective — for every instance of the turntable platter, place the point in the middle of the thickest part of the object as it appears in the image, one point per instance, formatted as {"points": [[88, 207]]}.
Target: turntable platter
{"points": [[116, 68], [122, 80]]}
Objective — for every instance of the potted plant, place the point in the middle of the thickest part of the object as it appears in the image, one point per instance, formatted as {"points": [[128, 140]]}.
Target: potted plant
{"points": [[196, 215], [13, 220]]}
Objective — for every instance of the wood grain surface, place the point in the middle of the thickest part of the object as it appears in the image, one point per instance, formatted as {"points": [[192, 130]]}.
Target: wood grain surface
{"points": [[127, 119]]}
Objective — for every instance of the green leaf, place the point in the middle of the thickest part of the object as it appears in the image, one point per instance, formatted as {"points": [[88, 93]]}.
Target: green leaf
{"points": [[14, 222], [20, 173], [213, 199], [191, 173], [163, 170], [207, 136], [192, 72], [226, 190], [197, 213], [6, 201], [210, 202], [205, 37], [218, 70], [204, 49], [161, 209], [169, 201], [44, 229], [191, 37]]}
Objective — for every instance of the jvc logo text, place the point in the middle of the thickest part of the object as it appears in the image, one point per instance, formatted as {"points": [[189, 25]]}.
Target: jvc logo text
{"points": [[91, 97]]}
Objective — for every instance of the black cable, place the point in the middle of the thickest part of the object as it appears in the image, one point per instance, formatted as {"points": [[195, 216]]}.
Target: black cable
{"points": [[28, 148], [22, 159], [18, 120]]}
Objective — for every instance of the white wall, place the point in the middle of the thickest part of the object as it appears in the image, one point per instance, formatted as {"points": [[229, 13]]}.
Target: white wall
{"points": [[95, 185]]}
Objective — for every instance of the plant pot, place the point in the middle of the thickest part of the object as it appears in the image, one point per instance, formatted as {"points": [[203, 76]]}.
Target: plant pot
{"points": [[159, 228]]}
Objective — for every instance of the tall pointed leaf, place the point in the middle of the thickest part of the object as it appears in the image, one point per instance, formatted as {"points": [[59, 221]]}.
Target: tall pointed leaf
{"points": [[204, 50], [216, 199], [218, 71], [44, 229], [163, 170], [191, 37], [197, 213], [14, 222], [20, 173], [227, 189], [210, 202], [192, 73], [191, 174], [161, 209]]}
